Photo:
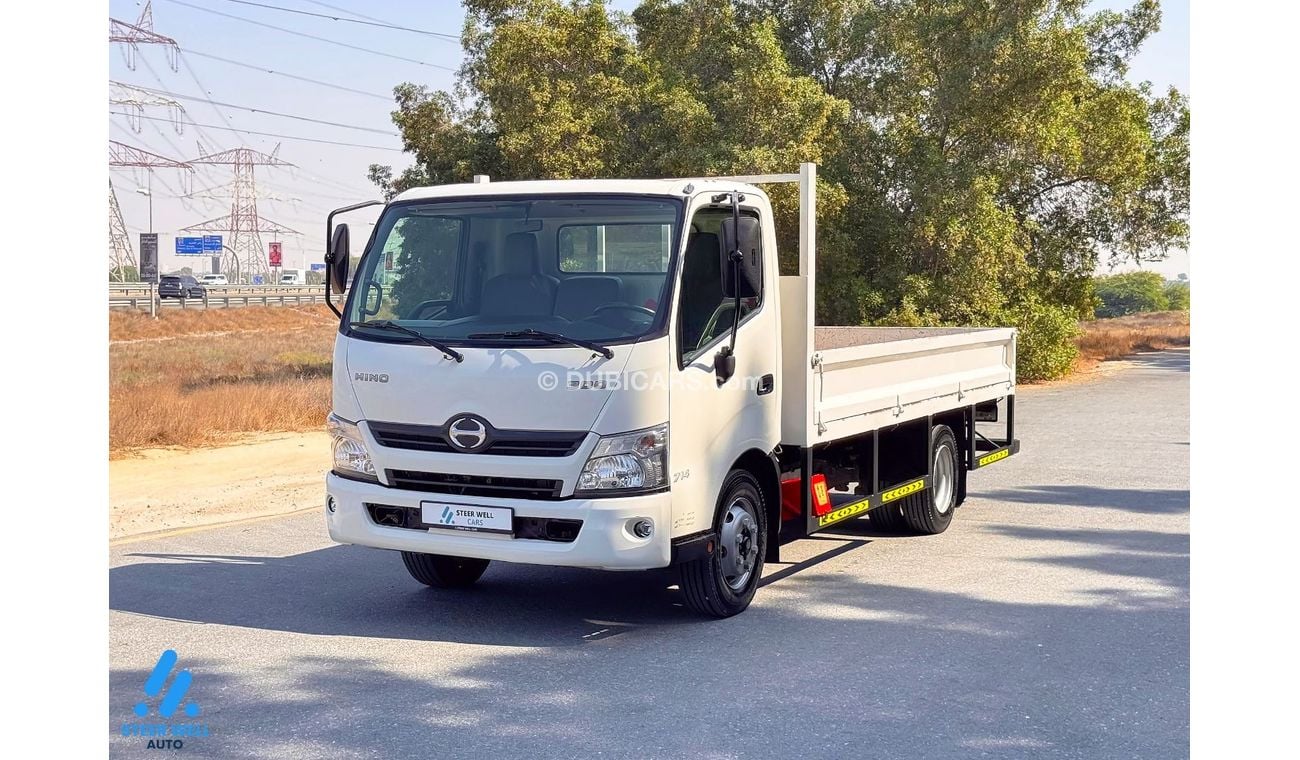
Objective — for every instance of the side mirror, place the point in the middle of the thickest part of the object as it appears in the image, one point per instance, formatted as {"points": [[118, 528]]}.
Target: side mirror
{"points": [[336, 263], [746, 238]]}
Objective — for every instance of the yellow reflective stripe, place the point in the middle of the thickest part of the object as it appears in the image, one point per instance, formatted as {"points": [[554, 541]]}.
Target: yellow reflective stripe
{"points": [[995, 456], [903, 490], [843, 513]]}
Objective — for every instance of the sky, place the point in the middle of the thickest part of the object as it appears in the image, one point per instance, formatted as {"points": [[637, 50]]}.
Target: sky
{"points": [[327, 175]]}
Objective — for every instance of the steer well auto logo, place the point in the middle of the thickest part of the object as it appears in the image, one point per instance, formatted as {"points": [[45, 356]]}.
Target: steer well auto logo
{"points": [[167, 701]]}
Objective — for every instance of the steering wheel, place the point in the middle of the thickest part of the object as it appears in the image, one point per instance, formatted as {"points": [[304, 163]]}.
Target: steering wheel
{"points": [[418, 311], [624, 307]]}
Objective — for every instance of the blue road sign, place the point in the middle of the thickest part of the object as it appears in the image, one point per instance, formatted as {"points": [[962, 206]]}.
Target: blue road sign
{"points": [[212, 243], [257, 279], [189, 246], [318, 267]]}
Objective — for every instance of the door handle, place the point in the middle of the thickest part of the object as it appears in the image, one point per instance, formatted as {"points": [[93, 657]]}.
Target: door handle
{"points": [[765, 384]]}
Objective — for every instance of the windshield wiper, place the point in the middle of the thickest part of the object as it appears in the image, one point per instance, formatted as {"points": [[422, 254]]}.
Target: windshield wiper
{"points": [[549, 337], [388, 324]]}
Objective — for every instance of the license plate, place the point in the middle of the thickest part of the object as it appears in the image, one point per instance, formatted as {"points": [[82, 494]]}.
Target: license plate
{"points": [[467, 517]]}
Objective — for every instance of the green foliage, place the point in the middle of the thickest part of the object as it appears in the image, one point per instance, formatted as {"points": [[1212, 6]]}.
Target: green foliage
{"points": [[1179, 295], [1130, 293], [979, 160], [1045, 348]]}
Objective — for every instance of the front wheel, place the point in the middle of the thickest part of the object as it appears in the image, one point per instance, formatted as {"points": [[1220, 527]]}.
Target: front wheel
{"points": [[441, 571], [723, 583]]}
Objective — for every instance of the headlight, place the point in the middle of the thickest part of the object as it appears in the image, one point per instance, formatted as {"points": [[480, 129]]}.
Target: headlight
{"points": [[628, 461], [351, 457]]}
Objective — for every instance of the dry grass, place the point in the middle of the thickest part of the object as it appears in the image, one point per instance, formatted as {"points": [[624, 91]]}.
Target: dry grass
{"points": [[207, 377], [134, 325], [1104, 339]]}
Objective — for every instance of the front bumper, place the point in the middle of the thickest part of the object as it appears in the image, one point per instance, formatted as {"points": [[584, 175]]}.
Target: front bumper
{"points": [[605, 540]]}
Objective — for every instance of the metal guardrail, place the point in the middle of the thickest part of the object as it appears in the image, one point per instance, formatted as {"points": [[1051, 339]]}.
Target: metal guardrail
{"points": [[144, 297]]}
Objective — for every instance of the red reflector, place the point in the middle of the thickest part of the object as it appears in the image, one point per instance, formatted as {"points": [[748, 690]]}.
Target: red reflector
{"points": [[791, 502], [821, 496]]}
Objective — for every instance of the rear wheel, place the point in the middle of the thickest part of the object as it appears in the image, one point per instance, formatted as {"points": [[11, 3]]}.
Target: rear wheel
{"points": [[723, 583], [930, 511], [441, 571], [887, 517]]}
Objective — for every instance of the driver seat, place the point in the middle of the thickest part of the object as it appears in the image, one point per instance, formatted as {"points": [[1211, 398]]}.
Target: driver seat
{"points": [[521, 290], [579, 297]]}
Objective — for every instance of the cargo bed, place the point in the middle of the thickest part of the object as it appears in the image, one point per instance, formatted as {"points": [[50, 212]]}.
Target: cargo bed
{"points": [[864, 378]]}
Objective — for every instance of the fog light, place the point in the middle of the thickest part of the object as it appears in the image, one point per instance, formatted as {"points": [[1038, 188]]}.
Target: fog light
{"points": [[642, 528], [330, 505]]}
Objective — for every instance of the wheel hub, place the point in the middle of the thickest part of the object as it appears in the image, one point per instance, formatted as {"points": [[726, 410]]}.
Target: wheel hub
{"points": [[739, 544], [944, 485]]}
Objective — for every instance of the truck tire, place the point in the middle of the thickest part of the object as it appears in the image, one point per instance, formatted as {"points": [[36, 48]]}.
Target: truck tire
{"points": [[931, 510], [886, 517], [723, 583], [441, 571]]}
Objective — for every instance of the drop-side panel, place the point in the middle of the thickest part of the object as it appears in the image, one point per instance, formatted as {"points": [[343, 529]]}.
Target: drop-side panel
{"points": [[885, 380]]}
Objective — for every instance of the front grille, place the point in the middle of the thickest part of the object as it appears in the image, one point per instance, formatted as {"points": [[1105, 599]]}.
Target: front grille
{"points": [[476, 485], [562, 531], [516, 443]]}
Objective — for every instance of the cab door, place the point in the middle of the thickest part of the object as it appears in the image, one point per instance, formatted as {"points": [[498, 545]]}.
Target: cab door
{"points": [[712, 423]]}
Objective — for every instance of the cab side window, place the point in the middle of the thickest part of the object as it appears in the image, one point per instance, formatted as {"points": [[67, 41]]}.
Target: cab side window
{"points": [[704, 313]]}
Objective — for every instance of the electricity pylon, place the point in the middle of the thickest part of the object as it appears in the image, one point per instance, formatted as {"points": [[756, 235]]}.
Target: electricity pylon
{"points": [[244, 253], [141, 33], [120, 254], [135, 100]]}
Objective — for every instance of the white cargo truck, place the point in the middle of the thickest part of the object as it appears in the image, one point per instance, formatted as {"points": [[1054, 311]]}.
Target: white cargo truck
{"points": [[613, 374]]}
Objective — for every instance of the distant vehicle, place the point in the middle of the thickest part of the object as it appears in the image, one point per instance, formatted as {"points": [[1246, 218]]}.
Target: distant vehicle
{"points": [[214, 279], [292, 277], [180, 286]]}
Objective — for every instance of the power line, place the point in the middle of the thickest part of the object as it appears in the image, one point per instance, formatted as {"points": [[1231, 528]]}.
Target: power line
{"points": [[313, 36], [195, 76], [300, 172], [211, 142], [268, 113], [372, 22], [309, 193], [188, 51], [348, 11], [272, 134]]}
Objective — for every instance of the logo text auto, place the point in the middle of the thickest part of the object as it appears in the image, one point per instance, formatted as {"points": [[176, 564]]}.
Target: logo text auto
{"points": [[166, 734]]}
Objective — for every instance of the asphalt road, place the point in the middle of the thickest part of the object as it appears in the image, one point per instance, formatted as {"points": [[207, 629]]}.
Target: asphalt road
{"points": [[1051, 620]]}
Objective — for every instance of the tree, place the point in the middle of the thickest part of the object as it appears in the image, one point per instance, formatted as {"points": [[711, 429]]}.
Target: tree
{"points": [[1179, 295], [979, 159], [1130, 293]]}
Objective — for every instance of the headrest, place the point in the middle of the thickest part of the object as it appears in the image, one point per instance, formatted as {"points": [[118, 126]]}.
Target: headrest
{"points": [[520, 253]]}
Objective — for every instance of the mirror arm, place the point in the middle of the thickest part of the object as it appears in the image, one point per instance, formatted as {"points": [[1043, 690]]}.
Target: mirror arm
{"points": [[724, 364], [329, 253]]}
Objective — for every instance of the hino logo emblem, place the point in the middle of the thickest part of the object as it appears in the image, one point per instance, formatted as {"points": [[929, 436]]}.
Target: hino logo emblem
{"points": [[467, 432], [370, 377]]}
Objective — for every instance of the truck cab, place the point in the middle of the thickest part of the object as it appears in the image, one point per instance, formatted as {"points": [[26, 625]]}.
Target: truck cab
{"points": [[584, 373]]}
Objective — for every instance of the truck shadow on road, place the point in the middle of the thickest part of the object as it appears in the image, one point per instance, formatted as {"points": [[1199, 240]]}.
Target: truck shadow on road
{"points": [[352, 591]]}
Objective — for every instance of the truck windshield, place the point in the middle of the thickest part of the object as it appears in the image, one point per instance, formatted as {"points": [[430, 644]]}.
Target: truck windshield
{"points": [[592, 268]]}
